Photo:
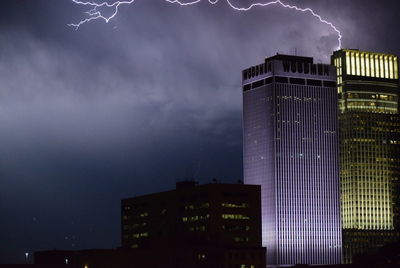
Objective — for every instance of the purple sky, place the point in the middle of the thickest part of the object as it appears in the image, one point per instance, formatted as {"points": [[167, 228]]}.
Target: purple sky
{"points": [[121, 109]]}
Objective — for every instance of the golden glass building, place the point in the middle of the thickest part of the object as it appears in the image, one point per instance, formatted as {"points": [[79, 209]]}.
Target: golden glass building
{"points": [[368, 98]]}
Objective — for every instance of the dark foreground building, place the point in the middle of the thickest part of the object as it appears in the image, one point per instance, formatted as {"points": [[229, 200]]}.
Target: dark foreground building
{"points": [[290, 148], [212, 225], [94, 258], [368, 90], [137, 258]]}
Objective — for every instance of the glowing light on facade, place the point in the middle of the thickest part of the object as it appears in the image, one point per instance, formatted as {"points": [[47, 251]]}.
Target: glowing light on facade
{"points": [[370, 64], [290, 149], [369, 155]]}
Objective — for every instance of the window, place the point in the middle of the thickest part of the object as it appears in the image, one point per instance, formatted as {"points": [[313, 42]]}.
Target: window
{"points": [[358, 63], [235, 205], [377, 69], [280, 79], [391, 74], [372, 63], [313, 82], [234, 217], [386, 67], [246, 87], [367, 66], [297, 81], [257, 84], [329, 84], [268, 80], [362, 60], [348, 61]]}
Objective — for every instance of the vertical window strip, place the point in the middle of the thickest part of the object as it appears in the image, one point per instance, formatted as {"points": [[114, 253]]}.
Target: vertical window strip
{"points": [[372, 63], [377, 69], [353, 64], [386, 67], [367, 65], [362, 60], [358, 64]]}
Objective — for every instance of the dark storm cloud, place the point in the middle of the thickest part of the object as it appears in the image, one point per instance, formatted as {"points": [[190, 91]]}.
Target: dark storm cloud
{"points": [[113, 110]]}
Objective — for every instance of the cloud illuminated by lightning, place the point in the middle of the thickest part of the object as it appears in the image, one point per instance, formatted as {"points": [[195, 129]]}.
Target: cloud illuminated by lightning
{"points": [[94, 13]]}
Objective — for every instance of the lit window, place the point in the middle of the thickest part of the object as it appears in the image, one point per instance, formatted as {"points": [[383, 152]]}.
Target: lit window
{"points": [[372, 63], [353, 64], [348, 65], [377, 70], [381, 66], [241, 239], [391, 74], [367, 65], [234, 217], [386, 67], [232, 205], [362, 59]]}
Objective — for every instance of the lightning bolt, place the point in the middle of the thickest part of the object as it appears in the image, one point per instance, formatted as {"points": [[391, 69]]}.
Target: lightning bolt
{"points": [[94, 13]]}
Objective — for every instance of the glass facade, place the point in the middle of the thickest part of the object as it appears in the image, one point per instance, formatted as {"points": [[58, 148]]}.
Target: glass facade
{"points": [[368, 93], [370, 64], [290, 149]]}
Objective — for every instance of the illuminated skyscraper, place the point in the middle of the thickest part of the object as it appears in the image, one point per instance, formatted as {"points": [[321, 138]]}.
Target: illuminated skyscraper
{"points": [[290, 148], [368, 90]]}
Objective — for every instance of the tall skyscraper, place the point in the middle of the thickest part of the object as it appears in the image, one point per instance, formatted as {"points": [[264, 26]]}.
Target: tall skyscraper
{"points": [[368, 90], [290, 148]]}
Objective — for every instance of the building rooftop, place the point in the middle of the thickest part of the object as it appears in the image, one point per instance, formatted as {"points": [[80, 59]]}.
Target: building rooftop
{"points": [[283, 57]]}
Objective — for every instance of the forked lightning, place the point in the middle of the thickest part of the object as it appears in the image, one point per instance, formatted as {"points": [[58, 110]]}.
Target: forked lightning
{"points": [[94, 13]]}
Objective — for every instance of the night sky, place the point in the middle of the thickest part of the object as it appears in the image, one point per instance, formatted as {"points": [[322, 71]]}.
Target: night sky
{"points": [[115, 110]]}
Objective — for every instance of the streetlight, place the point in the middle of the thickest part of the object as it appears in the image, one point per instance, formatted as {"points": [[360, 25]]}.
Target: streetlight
{"points": [[26, 256]]}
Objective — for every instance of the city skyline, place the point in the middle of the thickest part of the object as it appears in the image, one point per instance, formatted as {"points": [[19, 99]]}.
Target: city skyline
{"points": [[114, 110]]}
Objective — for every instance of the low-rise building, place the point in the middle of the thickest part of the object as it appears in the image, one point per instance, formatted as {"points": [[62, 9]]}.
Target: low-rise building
{"points": [[211, 225]]}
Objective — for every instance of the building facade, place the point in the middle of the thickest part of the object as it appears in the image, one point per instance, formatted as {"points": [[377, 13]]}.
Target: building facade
{"points": [[368, 92], [290, 148], [211, 225]]}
